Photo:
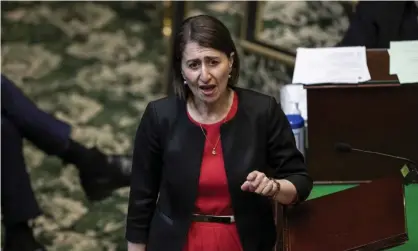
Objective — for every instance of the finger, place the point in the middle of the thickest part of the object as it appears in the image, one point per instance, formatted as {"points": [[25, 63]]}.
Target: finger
{"points": [[252, 175], [257, 181], [247, 186], [264, 182], [267, 191], [273, 189]]}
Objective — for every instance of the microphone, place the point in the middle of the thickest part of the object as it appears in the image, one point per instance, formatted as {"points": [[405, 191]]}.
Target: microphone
{"points": [[346, 148]]}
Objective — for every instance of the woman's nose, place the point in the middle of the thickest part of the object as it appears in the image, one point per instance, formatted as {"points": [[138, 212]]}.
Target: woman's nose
{"points": [[204, 75]]}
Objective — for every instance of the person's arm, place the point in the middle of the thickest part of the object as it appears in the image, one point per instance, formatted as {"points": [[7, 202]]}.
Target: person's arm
{"points": [[290, 170], [145, 180], [287, 193], [363, 31]]}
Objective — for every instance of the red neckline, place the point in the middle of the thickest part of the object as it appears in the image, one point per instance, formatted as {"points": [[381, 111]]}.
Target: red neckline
{"points": [[231, 113]]}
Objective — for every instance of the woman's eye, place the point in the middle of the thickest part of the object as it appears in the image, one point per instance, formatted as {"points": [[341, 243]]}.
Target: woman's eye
{"points": [[193, 65], [213, 63]]}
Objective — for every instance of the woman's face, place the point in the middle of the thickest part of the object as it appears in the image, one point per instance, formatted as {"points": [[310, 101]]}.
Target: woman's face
{"points": [[206, 71]]}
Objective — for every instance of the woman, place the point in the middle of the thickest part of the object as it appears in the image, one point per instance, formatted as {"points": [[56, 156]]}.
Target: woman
{"points": [[200, 157]]}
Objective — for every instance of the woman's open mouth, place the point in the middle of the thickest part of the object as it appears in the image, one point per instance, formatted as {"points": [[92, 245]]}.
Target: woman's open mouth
{"points": [[207, 90]]}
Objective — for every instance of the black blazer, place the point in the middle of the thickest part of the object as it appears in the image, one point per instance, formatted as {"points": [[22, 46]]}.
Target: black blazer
{"points": [[166, 162], [376, 23]]}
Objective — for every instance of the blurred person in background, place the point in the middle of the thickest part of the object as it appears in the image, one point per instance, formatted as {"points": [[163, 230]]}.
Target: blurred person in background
{"points": [[375, 23], [100, 174]]}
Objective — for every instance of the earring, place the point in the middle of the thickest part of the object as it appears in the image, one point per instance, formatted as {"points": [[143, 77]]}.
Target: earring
{"points": [[185, 82], [229, 76]]}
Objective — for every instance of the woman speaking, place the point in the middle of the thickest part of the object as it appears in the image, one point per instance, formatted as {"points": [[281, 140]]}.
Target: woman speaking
{"points": [[201, 157]]}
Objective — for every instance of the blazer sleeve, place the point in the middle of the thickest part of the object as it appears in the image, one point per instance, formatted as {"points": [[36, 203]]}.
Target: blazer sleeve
{"points": [[283, 155], [145, 177]]}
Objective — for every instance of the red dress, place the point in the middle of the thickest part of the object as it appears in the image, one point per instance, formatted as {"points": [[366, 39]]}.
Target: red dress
{"points": [[213, 197]]}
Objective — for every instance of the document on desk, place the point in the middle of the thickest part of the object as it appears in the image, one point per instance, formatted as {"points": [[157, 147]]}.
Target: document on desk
{"points": [[345, 65], [403, 61]]}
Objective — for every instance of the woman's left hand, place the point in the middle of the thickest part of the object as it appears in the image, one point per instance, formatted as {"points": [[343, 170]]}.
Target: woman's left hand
{"points": [[257, 182]]}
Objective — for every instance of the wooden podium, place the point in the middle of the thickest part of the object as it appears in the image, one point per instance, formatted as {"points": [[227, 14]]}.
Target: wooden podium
{"points": [[379, 115], [368, 217]]}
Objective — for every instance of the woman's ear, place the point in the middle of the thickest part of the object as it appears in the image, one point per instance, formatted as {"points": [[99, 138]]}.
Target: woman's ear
{"points": [[231, 60]]}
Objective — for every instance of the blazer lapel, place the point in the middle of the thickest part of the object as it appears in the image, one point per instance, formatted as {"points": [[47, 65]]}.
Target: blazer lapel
{"points": [[235, 137], [189, 141]]}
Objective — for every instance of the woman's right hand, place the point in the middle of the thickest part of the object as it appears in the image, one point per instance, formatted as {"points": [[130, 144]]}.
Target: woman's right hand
{"points": [[136, 246]]}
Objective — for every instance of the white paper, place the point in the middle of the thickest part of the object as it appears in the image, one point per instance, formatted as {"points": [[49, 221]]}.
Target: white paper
{"points": [[403, 61], [346, 65], [408, 77], [409, 45]]}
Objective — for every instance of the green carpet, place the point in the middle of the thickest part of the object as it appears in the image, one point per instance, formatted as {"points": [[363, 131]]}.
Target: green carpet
{"points": [[411, 192]]}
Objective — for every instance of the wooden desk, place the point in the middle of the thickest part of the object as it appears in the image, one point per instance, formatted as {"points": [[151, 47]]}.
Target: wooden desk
{"points": [[380, 115]]}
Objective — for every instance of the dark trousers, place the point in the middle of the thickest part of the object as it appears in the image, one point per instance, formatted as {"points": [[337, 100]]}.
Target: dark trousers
{"points": [[20, 118]]}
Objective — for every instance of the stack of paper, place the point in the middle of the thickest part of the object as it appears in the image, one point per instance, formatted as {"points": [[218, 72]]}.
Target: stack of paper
{"points": [[403, 58], [345, 65]]}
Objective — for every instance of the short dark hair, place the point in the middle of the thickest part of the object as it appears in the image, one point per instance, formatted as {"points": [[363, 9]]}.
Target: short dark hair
{"points": [[209, 32]]}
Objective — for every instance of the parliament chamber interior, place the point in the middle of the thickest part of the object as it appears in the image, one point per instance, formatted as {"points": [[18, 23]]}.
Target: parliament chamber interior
{"points": [[94, 66]]}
